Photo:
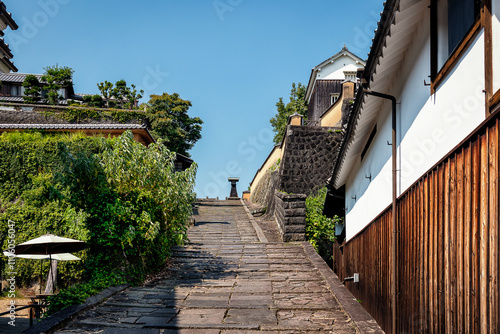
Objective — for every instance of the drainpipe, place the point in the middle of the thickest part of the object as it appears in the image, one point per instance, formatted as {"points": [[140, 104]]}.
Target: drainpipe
{"points": [[394, 290]]}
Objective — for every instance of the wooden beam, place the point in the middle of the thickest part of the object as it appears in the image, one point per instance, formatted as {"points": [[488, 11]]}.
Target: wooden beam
{"points": [[488, 53]]}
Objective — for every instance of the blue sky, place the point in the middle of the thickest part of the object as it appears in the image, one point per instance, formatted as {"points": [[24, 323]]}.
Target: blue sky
{"points": [[233, 59]]}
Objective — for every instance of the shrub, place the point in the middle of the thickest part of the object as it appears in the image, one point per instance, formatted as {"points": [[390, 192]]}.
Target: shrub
{"points": [[320, 230], [124, 199]]}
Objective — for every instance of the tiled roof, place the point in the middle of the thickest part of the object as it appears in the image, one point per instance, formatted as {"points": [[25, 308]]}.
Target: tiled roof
{"points": [[16, 77], [11, 99], [73, 126], [19, 99]]}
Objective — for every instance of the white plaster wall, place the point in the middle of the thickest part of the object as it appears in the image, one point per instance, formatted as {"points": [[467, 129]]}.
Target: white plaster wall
{"points": [[336, 69], [430, 127], [273, 157], [496, 44]]}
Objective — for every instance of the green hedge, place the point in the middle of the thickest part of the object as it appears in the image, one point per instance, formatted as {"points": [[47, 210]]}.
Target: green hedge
{"points": [[123, 199]]}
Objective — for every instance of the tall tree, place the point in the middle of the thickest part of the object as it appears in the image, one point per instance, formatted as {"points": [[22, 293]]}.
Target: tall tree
{"points": [[120, 92], [169, 120], [32, 89], [56, 78], [133, 96], [106, 89], [297, 104]]}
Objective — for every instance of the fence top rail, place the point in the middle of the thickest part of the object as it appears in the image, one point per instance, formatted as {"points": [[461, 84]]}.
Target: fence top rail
{"points": [[21, 308]]}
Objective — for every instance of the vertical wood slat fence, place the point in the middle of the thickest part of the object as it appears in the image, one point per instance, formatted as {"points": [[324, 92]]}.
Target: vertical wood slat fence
{"points": [[448, 252]]}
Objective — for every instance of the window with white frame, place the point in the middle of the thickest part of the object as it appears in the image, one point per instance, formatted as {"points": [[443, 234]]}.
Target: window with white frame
{"points": [[334, 97]]}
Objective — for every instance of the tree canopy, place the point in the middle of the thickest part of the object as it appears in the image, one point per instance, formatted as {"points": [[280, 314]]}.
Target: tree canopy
{"points": [[297, 104], [106, 89], [32, 89], [169, 120], [121, 93], [56, 78]]}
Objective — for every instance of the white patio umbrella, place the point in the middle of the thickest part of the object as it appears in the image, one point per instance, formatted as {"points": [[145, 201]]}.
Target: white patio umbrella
{"points": [[48, 245], [58, 257]]}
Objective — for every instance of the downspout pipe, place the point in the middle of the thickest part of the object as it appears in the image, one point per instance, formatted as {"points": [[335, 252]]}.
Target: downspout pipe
{"points": [[394, 277]]}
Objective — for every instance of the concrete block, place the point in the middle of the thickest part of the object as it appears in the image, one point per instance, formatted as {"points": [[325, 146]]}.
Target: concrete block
{"points": [[295, 229], [297, 237], [297, 205], [296, 220], [300, 212]]}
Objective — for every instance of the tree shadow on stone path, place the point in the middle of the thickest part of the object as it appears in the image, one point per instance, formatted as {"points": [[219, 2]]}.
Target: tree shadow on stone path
{"points": [[179, 300]]}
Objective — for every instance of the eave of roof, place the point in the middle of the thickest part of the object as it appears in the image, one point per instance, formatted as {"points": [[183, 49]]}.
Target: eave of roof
{"points": [[385, 58], [7, 17], [66, 126], [5, 48], [10, 65], [183, 158]]}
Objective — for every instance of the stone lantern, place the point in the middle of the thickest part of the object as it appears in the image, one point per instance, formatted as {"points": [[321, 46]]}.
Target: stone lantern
{"points": [[234, 193]]}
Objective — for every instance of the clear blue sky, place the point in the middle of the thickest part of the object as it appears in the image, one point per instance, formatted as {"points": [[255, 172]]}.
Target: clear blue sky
{"points": [[232, 59]]}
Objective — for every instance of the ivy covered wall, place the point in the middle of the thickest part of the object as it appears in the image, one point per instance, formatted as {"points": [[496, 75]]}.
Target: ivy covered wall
{"points": [[122, 198]]}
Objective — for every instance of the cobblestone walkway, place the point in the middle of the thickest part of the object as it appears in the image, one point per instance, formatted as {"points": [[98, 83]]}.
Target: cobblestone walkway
{"points": [[225, 281]]}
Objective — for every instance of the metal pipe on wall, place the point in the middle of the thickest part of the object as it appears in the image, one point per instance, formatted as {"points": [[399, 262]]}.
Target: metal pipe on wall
{"points": [[394, 277]]}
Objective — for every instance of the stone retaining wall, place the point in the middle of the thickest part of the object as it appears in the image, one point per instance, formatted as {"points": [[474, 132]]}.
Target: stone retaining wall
{"points": [[264, 191], [308, 158], [290, 215]]}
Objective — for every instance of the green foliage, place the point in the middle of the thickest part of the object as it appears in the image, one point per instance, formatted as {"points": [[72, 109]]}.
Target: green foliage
{"points": [[76, 115], [133, 96], [125, 116], [319, 228], [27, 153], [32, 89], [149, 174], [275, 166], [122, 198], [297, 104], [56, 78], [123, 95], [120, 92], [79, 292], [169, 119], [93, 100], [106, 89]]}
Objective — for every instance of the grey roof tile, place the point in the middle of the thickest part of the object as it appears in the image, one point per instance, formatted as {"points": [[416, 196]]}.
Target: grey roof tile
{"points": [[73, 126]]}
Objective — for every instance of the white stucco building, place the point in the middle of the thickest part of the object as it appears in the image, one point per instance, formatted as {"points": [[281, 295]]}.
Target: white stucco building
{"points": [[439, 64]]}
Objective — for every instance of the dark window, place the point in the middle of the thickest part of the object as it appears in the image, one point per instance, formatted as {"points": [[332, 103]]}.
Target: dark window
{"points": [[15, 91], [461, 17], [368, 143], [454, 23]]}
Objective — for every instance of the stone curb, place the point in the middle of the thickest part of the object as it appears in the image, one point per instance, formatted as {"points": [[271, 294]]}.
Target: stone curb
{"points": [[258, 230], [60, 318], [360, 317]]}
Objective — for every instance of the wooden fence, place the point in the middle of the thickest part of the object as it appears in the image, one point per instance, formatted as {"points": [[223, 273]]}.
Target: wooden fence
{"points": [[448, 247]]}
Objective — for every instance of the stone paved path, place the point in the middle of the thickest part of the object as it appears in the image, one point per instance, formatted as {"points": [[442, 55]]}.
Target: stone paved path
{"points": [[225, 281]]}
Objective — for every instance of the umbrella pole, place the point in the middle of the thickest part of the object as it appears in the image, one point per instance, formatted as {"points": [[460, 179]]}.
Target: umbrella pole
{"points": [[41, 276], [52, 273]]}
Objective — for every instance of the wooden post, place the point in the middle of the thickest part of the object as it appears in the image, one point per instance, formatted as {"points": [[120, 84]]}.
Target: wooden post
{"points": [[52, 278]]}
